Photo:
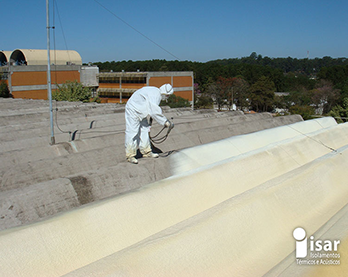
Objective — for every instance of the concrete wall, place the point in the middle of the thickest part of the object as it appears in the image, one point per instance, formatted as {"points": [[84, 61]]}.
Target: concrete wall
{"points": [[89, 76]]}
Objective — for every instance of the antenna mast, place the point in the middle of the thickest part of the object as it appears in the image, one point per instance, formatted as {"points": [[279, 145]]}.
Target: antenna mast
{"points": [[49, 87]]}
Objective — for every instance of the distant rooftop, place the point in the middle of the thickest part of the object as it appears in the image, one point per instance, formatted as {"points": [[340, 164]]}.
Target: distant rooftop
{"points": [[39, 57]]}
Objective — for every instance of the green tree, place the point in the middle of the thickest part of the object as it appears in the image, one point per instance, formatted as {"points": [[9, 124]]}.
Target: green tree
{"points": [[4, 91], [301, 97], [202, 100], [343, 87], [174, 101], [262, 95], [336, 74], [72, 91], [306, 112], [340, 113], [297, 82]]}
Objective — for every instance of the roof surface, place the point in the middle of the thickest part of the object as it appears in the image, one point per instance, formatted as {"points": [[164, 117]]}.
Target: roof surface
{"points": [[39, 57]]}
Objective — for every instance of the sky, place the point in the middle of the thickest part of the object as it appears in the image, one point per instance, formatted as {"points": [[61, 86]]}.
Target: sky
{"points": [[111, 30]]}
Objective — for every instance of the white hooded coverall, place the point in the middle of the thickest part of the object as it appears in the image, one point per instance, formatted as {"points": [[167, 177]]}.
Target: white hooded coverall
{"points": [[142, 103]]}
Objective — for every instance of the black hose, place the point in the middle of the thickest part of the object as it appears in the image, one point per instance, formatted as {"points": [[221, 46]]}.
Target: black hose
{"points": [[157, 140]]}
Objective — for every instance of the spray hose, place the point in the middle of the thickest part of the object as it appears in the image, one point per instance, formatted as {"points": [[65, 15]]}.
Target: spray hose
{"points": [[157, 140]]}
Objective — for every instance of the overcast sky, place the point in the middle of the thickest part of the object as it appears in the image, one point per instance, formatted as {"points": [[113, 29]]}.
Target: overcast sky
{"points": [[112, 30]]}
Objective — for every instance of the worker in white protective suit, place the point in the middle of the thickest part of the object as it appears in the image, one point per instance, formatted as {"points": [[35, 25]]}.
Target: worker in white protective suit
{"points": [[144, 102]]}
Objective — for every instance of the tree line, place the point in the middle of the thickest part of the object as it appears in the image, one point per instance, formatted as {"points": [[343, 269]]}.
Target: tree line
{"points": [[318, 85], [251, 68], [311, 86]]}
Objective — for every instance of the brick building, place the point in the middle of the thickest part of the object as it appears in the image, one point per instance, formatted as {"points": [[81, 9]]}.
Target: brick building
{"points": [[25, 71], [119, 86]]}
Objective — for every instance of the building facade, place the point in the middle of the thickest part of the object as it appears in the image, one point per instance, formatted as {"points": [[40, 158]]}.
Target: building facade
{"points": [[119, 86], [25, 71]]}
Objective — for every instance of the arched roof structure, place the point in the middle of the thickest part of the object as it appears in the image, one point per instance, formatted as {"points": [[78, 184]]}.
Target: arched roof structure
{"points": [[4, 57], [39, 57]]}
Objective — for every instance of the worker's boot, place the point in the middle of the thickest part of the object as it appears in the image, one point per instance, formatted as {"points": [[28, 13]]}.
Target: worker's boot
{"points": [[132, 160], [150, 155]]}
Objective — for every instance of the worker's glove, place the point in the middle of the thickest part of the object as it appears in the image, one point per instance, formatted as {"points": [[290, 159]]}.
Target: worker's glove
{"points": [[169, 124]]}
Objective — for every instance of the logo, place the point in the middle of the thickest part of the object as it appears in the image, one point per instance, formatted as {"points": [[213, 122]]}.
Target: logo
{"points": [[299, 235], [320, 251]]}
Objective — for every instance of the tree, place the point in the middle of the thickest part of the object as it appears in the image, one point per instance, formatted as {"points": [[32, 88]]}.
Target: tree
{"points": [[262, 95], [305, 111], [4, 91], [174, 101], [301, 97], [229, 91], [202, 100], [336, 74], [214, 91], [343, 87], [297, 82], [72, 91], [226, 90], [240, 89], [221, 92], [324, 96], [340, 112]]}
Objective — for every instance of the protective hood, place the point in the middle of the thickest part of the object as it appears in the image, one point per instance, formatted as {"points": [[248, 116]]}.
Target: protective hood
{"points": [[166, 89]]}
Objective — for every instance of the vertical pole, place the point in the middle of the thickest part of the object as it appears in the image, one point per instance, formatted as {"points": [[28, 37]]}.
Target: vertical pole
{"points": [[193, 92], [9, 78], [120, 89], [233, 99], [49, 87]]}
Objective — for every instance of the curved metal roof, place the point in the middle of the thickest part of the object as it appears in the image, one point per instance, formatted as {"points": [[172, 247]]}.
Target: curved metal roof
{"points": [[39, 57], [4, 57]]}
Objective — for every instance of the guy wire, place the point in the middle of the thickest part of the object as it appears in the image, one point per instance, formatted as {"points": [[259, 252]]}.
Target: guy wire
{"points": [[130, 26], [317, 141]]}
